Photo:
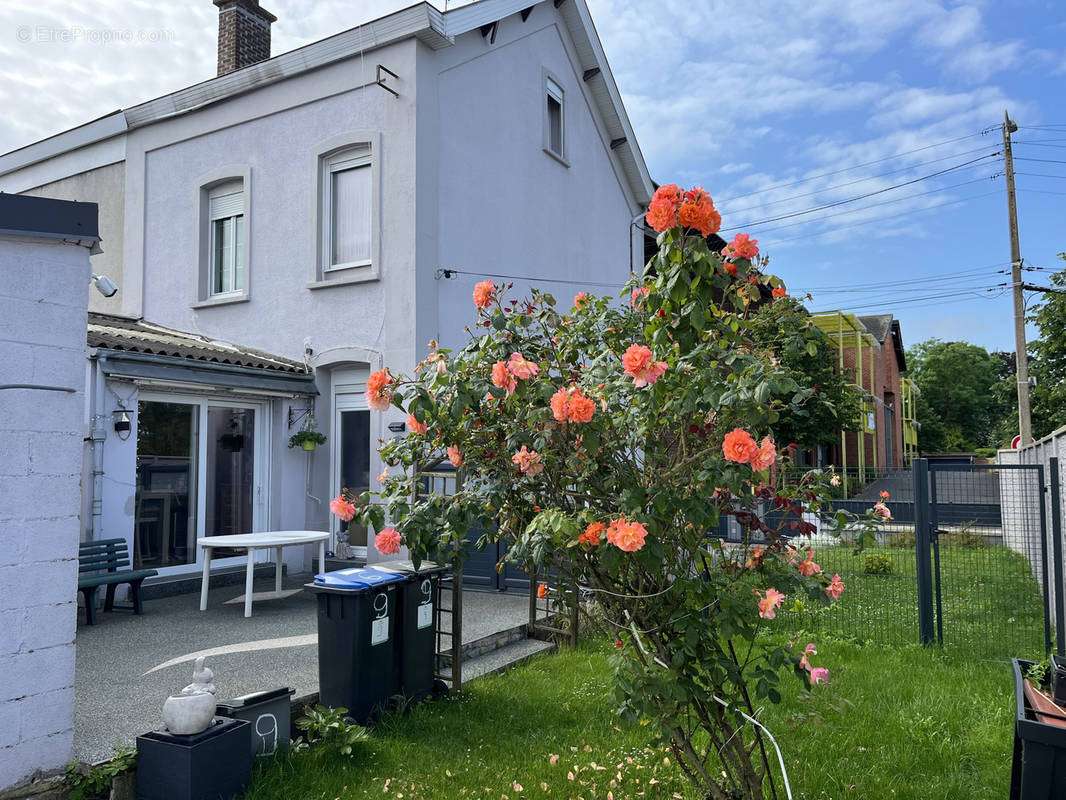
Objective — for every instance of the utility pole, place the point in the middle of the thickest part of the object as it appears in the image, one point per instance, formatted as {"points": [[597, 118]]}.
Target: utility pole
{"points": [[1021, 356]]}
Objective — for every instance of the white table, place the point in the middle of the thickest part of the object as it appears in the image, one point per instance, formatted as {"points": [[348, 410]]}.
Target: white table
{"points": [[275, 540]]}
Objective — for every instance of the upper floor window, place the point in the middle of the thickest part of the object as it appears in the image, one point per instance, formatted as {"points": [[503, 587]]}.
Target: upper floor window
{"points": [[227, 238], [347, 209], [224, 236], [554, 109]]}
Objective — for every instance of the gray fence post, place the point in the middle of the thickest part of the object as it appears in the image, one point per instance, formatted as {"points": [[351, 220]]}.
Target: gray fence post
{"points": [[926, 624], [1056, 544]]}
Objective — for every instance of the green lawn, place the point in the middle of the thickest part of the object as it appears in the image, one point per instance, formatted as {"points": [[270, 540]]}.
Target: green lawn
{"points": [[991, 602], [903, 722]]}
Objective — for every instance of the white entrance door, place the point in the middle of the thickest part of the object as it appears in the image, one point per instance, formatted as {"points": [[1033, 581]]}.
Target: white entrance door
{"points": [[350, 453]]}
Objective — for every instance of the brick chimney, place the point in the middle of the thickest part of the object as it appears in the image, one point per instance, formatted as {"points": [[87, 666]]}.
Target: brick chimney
{"points": [[243, 34]]}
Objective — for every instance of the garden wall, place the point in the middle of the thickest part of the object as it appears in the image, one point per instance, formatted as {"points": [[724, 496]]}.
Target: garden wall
{"points": [[43, 299]]}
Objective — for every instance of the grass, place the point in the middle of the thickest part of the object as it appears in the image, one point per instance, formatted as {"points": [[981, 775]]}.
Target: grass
{"points": [[894, 722], [991, 602]]}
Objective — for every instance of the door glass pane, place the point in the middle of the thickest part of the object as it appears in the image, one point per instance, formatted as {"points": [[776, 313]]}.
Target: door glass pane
{"points": [[229, 474], [165, 516], [355, 464]]}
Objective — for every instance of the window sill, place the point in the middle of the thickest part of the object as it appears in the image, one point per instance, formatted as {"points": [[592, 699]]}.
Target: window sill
{"points": [[557, 157], [222, 300], [343, 278]]}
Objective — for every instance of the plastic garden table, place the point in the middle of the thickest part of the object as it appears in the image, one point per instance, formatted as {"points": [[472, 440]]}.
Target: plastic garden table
{"points": [[271, 540]]}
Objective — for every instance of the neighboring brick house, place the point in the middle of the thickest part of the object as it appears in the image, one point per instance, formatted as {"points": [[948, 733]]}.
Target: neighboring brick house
{"points": [[870, 349]]}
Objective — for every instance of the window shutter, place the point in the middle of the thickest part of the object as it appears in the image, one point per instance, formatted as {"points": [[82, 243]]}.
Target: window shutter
{"points": [[227, 205]]}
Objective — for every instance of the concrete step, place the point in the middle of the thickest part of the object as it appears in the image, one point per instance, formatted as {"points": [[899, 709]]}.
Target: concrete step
{"points": [[502, 658]]}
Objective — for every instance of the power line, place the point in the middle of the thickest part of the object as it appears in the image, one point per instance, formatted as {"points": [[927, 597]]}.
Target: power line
{"points": [[861, 196], [850, 183], [1039, 191], [856, 166], [937, 299], [1041, 175], [1042, 160], [877, 220], [882, 203], [932, 278]]}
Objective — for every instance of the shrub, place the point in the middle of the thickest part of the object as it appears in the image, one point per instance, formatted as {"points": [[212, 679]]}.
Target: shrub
{"points": [[599, 442], [877, 564], [901, 539], [330, 729]]}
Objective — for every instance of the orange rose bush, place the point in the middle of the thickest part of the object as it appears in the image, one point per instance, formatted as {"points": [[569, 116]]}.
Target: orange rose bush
{"points": [[602, 440]]}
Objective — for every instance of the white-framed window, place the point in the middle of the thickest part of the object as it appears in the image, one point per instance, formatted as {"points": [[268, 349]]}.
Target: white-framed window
{"points": [[226, 240], [554, 118], [223, 236], [347, 217]]}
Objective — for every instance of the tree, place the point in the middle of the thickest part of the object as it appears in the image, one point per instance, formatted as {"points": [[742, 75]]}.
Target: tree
{"points": [[1048, 359], [958, 406], [809, 357], [601, 442]]}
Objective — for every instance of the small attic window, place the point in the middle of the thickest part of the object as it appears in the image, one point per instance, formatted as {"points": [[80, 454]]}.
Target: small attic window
{"points": [[554, 118]]}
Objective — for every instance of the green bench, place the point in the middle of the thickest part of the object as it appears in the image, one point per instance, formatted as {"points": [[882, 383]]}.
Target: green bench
{"points": [[99, 564]]}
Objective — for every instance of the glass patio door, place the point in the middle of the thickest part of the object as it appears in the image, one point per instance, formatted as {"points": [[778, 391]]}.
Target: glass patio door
{"points": [[200, 470], [164, 526], [229, 474]]}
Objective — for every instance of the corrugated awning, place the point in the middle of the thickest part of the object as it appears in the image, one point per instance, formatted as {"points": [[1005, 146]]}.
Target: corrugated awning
{"points": [[137, 349]]}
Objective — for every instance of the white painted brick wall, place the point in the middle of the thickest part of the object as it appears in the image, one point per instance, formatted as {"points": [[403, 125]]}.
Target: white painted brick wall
{"points": [[43, 297]]}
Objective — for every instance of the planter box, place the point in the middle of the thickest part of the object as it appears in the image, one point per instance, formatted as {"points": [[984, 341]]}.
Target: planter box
{"points": [[1038, 771]]}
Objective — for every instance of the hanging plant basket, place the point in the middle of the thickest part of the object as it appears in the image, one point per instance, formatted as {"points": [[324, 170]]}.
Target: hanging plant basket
{"points": [[306, 439]]}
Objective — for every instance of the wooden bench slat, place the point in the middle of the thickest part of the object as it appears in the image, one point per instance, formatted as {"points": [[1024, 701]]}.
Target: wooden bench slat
{"points": [[114, 577], [111, 566]]}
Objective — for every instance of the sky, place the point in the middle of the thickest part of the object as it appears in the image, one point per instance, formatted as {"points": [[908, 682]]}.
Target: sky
{"points": [[859, 142]]}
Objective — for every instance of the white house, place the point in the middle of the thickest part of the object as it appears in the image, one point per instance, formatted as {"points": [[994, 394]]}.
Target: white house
{"points": [[279, 231]]}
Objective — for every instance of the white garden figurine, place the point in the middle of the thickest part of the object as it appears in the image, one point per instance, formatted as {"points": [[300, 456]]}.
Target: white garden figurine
{"points": [[192, 710]]}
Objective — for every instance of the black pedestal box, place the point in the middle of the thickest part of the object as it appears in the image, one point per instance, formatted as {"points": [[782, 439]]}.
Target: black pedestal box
{"points": [[1039, 768], [356, 639], [213, 765], [416, 650], [269, 714]]}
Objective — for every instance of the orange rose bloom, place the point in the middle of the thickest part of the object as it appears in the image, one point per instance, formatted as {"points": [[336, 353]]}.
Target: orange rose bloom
{"points": [[739, 446], [415, 426], [730, 268], [503, 378], [639, 364], [569, 405], [591, 536], [579, 299], [378, 393], [765, 456], [698, 212], [742, 246], [455, 456], [625, 535], [780, 291], [483, 293], [636, 294], [662, 211]]}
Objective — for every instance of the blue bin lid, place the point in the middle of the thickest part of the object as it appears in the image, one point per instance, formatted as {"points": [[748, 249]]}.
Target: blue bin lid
{"points": [[356, 578]]}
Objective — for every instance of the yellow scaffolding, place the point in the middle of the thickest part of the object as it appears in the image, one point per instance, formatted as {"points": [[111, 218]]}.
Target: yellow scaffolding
{"points": [[909, 419], [847, 332]]}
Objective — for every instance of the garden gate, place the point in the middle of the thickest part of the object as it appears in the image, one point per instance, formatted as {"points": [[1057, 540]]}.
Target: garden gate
{"points": [[988, 563]]}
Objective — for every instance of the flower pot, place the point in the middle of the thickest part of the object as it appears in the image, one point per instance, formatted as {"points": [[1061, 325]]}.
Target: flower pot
{"points": [[307, 445], [1038, 771]]}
